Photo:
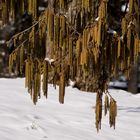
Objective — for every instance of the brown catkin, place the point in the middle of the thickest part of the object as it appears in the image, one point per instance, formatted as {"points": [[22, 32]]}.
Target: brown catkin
{"points": [[21, 58], [106, 104], [112, 113], [70, 51], [119, 48], [45, 78], [98, 111], [10, 63], [99, 33], [129, 38], [62, 88], [124, 26], [26, 73]]}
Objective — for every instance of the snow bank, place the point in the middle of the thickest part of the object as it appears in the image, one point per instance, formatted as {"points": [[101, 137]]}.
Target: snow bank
{"points": [[75, 120]]}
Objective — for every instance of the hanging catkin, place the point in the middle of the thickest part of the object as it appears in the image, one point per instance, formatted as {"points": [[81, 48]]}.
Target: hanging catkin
{"points": [[56, 31], [30, 6], [70, 52], [62, 88], [106, 104], [78, 53], [124, 26], [98, 111], [131, 6], [36, 81], [99, 33], [51, 25], [45, 78], [112, 113], [61, 4], [21, 58], [26, 73], [119, 48], [129, 38]]}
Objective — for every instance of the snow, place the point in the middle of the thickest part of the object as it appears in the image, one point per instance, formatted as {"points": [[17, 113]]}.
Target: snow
{"points": [[123, 8], [49, 60], [97, 19], [75, 120], [71, 83], [122, 37], [2, 42], [111, 31]]}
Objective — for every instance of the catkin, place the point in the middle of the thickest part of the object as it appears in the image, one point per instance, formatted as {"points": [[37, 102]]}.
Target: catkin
{"points": [[62, 88], [106, 104], [99, 33], [98, 111], [45, 78], [21, 58], [112, 113], [119, 48], [70, 52]]}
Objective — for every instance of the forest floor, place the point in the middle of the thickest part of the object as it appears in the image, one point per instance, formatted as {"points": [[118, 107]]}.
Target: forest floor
{"points": [[75, 120]]}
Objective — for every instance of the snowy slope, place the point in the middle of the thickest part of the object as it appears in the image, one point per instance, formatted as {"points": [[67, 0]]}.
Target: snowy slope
{"points": [[75, 120]]}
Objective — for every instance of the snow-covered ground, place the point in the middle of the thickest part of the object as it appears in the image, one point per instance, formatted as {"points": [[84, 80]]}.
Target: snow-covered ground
{"points": [[75, 120]]}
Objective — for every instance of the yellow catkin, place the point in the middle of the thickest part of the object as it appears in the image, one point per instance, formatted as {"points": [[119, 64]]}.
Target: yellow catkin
{"points": [[29, 76], [106, 104], [26, 73], [56, 30], [82, 58], [86, 37], [129, 38], [98, 111], [10, 63], [15, 41], [30, 6], [112, 113], [45, 78], [62, 88], [21, 37], [12, 10], [78, 52], [124, 26], [83, 6], [39, 77], [119, 48], [99, 33], [35, 93], [70, 52], [63, 26], [131, 6], [61, 4], [136, 45], [88, 5], [85, 56], [37, 81], [61, 33], [32, 39], [51, 25], [21, 58]]}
